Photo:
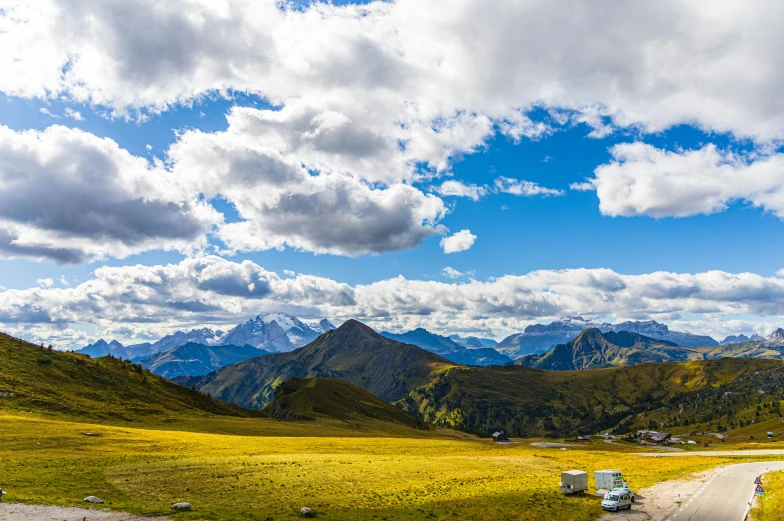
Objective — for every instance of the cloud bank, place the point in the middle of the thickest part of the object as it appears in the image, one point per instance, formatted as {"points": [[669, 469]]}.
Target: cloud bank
{"points": [[153, 300]]}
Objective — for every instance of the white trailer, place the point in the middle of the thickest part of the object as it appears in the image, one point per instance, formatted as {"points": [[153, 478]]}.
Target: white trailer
{"points": [[574, 482], [608, 479]]}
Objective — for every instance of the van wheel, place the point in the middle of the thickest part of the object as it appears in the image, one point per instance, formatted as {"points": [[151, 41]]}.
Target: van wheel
{"points": [[629, 506]]}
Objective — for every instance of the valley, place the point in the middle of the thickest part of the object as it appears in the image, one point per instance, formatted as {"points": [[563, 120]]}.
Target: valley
{"points": [[416, 475], [356, 425]]}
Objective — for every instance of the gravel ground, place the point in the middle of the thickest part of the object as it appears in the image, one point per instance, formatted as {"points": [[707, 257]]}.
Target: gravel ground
{"points": [[654, 503], [17, 512]]}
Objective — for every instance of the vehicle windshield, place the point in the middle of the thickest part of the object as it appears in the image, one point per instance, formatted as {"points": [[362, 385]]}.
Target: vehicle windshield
{"points": [[611, 497]]}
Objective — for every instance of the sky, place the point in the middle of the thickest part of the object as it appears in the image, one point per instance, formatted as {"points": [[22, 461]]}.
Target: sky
{"points": [[468, 167]]}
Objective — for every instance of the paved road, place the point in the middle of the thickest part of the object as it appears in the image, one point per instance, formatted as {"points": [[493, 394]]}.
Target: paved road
{"points": [[725, 496], [759, 452]]}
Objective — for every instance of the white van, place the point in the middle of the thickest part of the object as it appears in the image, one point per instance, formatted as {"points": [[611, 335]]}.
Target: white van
{"points": [[616, 501]]}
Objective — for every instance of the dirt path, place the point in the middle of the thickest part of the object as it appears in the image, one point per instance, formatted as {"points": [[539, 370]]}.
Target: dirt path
{"points": [[654, 503], [17, 512]]}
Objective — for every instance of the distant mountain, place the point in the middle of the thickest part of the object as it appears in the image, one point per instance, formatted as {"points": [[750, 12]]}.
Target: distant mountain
{"points": [[775, 339], [276, 332], [735, 339], [268, 331], [352, 352], [538, 338], [593, 349], [450, 349], [204, 336], [473, 342], [314, 398], [116, 349], [197, 359], [73, 386]]}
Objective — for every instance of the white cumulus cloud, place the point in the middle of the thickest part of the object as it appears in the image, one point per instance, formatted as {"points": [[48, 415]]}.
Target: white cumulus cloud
{"points": [[645, 180], [452, 273], [69, 196], [154, 300], [460, 241]]}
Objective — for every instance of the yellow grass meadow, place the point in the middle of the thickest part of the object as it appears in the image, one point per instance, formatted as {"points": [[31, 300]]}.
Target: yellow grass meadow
{"points": [[228, 477]]}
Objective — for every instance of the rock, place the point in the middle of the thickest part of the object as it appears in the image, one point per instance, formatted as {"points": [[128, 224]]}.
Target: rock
{"points": [[92, 433], [181, 506], [305, 512], [93, 499]]}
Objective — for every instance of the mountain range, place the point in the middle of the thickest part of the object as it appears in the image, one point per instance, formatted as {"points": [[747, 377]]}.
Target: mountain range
{"points": [[538, 338], [524, 400], [197, 359], [473, 342], [352, 352], [277, 332], [450, 349], [592, 349], [739, 339]]}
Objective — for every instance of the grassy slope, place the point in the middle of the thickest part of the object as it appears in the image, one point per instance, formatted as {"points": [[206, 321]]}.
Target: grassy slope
{"points": [[744, 409], [263, 478], [353, 352], [315, 398], [745, 350], [532, 402], [770, 506], [65, 384]]}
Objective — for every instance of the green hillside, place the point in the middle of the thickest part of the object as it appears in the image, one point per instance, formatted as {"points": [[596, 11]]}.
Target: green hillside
{"points": [[67, 384], [593, 349], [746, 407], [314, 398], [746, 350], [352, 352], [531, 402]]}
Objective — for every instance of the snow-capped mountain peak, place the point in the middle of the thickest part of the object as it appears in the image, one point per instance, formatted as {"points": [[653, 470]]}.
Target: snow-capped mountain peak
{"points": [[276, 332], [270, 331], [284, 320], [776, 338]]}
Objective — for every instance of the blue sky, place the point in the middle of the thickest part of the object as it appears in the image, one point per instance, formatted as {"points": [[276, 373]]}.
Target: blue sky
{"points": [[516, 234], [368, 114]]}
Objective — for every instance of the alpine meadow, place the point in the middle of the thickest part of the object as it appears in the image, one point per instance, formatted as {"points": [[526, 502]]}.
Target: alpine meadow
{"points": [[391, 260]]}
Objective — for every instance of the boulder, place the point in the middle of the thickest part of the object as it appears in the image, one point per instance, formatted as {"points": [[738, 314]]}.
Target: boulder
{"points": [[305, 512], [93, 499], [181, 506]]}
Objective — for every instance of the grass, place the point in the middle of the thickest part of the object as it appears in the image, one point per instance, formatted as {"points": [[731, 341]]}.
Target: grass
{"points": [[770, 506], [408, 475]]}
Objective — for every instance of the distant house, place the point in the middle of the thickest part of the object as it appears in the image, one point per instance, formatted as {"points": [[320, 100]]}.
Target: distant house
{"points": [[583, 438], [500, 436], [657, 438]]}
